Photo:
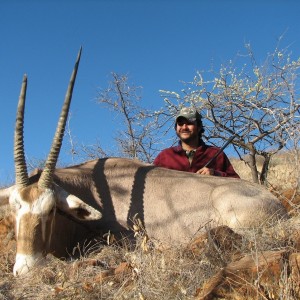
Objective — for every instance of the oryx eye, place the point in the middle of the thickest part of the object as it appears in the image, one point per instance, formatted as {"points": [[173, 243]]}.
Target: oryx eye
{"points": [[15, 204]]}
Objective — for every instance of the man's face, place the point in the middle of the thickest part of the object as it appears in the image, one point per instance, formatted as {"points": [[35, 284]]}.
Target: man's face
{"points": [[186, 130]]}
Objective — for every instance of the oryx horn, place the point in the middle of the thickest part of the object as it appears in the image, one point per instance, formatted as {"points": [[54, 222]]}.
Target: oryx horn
{"points": [[19, 156], [46, 178]]}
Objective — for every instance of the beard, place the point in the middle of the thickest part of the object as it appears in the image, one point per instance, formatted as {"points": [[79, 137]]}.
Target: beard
{"points": [[187, 136]]}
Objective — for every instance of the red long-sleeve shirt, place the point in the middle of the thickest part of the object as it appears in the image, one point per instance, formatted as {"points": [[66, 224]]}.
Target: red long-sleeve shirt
{"points": [[175, 158]]}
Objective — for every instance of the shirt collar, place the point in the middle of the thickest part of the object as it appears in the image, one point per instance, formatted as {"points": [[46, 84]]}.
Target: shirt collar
{"points": [[178, 148]]}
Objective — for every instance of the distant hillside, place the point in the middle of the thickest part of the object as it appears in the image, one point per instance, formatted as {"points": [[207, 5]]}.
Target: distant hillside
{"points": [[283, 171]]}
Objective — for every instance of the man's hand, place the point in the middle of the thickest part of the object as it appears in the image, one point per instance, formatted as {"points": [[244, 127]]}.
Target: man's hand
{"points": [[206, 171]]}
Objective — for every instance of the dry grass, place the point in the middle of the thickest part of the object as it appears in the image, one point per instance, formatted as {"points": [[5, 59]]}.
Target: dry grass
{"points": [[114, 272], [151, 272], [282, 173]]}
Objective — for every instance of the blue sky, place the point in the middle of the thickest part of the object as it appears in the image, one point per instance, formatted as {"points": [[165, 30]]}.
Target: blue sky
{"points": [[157, 43]]}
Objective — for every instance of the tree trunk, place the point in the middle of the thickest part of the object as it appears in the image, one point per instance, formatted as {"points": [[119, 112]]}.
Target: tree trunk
{"points": [[265, 169], [252, 164]]}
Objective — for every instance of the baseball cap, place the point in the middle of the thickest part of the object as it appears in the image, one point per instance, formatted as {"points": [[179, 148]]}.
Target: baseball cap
{"points": [[189, 113]]}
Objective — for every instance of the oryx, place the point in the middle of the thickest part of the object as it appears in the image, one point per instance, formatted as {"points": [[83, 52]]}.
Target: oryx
{"points": [[107, 194]]}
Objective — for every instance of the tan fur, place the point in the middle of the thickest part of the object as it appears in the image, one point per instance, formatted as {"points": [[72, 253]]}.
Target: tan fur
{"points": [[29, 235], [172, 205], [30, 193]]}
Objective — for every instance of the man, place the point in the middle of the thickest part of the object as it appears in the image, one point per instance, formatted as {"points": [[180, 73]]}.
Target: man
{"points": [[192, 153]]}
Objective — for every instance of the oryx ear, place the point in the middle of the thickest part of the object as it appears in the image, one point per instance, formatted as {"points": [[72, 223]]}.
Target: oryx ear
{"points": [[72, 205]]}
